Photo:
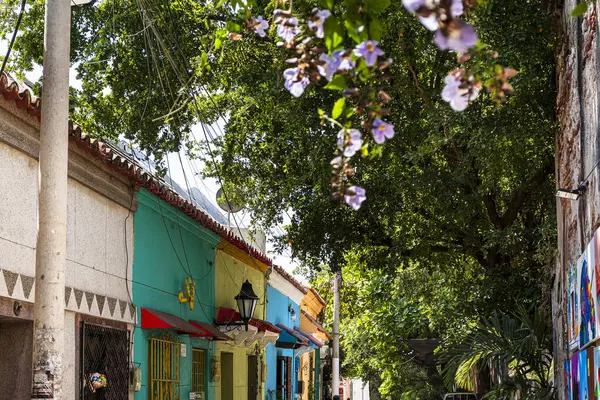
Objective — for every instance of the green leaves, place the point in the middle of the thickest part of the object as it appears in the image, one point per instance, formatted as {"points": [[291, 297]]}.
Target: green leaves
{"points": [[334, 34], [377, 6], [356, 30], [338, 108], [328, 4], [220, 36], [375, 30], [337, 83], [580, 9]]}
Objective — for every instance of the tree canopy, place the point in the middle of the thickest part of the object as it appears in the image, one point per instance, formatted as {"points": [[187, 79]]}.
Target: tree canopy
{"points": [[459, 220]]}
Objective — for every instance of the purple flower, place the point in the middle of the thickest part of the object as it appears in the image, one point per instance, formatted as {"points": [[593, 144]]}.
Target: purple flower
{"points": [[287, 29], [369, 51], [343, 60], [458, 37], [294, 82], [429, 13], [382, 130], [259, 25], [328, 67], [458, 94], [456, 8], [350, 143], [354, 197], [316, 24]]}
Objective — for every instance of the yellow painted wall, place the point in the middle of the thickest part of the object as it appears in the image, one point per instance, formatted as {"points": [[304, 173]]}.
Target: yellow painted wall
{"points": [[230, 273], [231, 269], [305, 368], [313, 307]]}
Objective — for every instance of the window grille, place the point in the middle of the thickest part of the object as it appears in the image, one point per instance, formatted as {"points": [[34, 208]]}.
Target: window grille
{"points": [[199, 373], [104, 350], [164, 353]]}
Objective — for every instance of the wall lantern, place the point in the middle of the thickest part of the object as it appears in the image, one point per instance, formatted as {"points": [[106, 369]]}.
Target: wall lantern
{"points": [[246, 301], [292, 313], [188, 292]]}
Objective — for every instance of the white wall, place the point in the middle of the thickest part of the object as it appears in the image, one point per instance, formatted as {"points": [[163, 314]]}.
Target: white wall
{"points": [[96, 255]]}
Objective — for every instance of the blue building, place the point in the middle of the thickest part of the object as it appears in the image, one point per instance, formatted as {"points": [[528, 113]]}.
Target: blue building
{"points": [[284, 296]]}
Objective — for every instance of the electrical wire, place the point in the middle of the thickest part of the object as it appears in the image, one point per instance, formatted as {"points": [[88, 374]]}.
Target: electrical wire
{"points": [[14, 37]]}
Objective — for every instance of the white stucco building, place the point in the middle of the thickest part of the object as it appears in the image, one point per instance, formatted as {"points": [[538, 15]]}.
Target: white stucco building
{"points": [[99, 252]]}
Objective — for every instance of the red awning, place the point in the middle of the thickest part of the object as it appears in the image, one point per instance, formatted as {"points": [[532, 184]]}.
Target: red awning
{"points": [[152, 319], [310, 337], [226, 316], [209, 331]]}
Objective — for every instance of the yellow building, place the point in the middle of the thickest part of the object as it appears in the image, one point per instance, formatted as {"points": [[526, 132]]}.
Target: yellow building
{"points": [[310, 371], [238, 370]]}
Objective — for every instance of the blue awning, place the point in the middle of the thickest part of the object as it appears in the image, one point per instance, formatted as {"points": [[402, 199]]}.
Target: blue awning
{"points": [[290, 339]]}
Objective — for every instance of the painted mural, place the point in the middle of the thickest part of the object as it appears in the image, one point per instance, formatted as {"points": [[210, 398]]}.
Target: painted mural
{"points": [[568, 381], [582, 375], [583, 310], [573, 309], [583, 381], [575, 377], [587, 295], [590, 373], [596, 369]]}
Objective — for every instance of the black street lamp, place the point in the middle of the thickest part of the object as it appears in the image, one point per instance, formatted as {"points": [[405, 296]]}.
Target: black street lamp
{"points": [[246, 301]]}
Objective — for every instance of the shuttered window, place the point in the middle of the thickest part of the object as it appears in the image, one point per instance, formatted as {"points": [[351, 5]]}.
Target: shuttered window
{"points": [[284, 378]]}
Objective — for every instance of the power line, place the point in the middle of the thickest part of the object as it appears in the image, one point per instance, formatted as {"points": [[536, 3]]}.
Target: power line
{"points": [[14, 36]]}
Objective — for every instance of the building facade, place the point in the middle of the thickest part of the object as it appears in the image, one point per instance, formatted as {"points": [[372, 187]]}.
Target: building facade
{"points": [[242, 371], [284, 295], [575, 293], [173, 340], [98, 304], [312, 308]]}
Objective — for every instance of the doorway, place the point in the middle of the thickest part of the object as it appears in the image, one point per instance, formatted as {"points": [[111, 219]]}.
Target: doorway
{"points": [[226, 376], [252, 378], [16, 346]]}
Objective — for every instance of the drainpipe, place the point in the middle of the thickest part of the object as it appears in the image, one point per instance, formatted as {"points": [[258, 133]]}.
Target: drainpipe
{"points": [[49, 308], [335, 362]]}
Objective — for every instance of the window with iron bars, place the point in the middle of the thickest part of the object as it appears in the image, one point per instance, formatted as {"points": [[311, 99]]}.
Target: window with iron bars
{"points": [[163, 379], [104, 350], [199, 373]]}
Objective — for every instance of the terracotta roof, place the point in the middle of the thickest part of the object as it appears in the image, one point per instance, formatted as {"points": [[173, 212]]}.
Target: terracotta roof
{"points": [[113, 158], [318, 297], [317, 324], [288, 277], [310, 337]]}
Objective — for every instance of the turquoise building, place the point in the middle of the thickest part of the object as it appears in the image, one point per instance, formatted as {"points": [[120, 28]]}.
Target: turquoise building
{"points": [[174, 340]]}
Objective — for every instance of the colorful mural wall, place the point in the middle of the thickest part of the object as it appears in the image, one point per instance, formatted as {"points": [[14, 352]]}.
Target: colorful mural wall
{"points": [[583, 311]]}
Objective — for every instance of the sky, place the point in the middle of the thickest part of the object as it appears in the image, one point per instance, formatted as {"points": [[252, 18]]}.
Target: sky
{"points": [[188, 168]]}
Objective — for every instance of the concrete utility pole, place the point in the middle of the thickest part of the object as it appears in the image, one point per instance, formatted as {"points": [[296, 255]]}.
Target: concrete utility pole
{"points": [[49, 309], [335, 362]]}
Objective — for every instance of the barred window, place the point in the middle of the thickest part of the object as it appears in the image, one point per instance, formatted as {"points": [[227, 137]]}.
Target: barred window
{"points": [[199, 373], [104, 351], [163, 376]]}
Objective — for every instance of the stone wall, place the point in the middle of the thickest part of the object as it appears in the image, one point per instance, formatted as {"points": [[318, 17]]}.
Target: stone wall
{"points": [[577, 154]]}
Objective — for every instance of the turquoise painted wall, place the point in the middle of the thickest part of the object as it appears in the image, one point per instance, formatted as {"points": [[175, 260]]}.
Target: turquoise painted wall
{"points": [[168, 247], [277, 313]]}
